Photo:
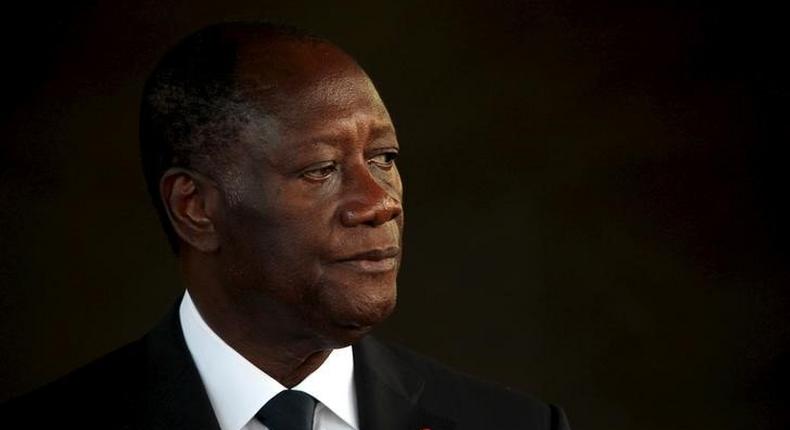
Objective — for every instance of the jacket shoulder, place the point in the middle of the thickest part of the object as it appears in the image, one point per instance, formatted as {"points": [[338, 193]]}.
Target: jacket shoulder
{"points": [[472, 400], [100, 389]]}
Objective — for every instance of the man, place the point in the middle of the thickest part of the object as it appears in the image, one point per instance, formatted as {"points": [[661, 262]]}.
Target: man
{"points": [[271, 160]]}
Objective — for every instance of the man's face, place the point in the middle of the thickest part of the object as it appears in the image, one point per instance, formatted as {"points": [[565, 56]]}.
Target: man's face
{"points": [[314, 216]]}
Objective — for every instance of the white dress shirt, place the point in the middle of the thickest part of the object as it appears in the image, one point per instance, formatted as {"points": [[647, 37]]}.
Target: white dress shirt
{"points": [[237, 389]]}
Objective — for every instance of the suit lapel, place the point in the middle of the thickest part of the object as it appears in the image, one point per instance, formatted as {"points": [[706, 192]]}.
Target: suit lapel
{"points": [[389, 391], [176, 396]]}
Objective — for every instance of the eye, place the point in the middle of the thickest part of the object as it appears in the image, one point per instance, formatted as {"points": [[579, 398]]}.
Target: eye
{"points": [[321, 171], [385, 159]]}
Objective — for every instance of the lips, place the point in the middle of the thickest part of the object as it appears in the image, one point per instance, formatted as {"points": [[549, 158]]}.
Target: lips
{"points": [[373, 260], [374, 254]]}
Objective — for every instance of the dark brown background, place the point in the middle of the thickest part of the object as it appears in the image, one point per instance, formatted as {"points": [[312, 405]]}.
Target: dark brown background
{"points": [[595, 194]]}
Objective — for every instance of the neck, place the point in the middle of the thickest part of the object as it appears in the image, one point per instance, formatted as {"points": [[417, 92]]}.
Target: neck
{"points": [[257, 328]]}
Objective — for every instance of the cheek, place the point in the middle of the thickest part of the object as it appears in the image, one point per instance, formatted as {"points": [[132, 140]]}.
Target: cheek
{"points": [[346, 299], [293, 247]]}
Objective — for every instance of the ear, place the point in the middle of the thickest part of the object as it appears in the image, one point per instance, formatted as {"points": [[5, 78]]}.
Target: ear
{"points": [[193, 205]]}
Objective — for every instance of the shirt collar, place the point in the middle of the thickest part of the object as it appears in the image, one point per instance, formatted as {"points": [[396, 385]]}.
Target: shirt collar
{"points": [[237, 389]]}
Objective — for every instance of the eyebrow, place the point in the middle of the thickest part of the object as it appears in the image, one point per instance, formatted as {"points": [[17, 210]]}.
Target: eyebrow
{"points": [[376, 131], [381, 130]]}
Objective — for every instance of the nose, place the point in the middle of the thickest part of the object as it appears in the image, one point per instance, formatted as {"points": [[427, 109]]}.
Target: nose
{"points": [[368, 202]]}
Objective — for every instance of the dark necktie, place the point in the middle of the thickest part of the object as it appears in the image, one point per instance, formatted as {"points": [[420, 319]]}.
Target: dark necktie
{"points": [[289, 410]]}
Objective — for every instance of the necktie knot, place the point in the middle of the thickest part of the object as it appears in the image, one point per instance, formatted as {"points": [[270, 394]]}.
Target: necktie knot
{"points": [[288, 410]]}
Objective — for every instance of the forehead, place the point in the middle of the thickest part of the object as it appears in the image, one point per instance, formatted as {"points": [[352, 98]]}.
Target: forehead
{"points": [[273, 70], [313, 93], [345, 113], [331, 103]]}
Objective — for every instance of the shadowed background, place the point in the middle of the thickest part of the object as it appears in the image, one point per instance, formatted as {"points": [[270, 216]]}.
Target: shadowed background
{"points": [[595, 194]]}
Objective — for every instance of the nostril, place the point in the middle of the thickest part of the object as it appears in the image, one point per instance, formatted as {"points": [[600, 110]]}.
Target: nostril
{"points": [[348, 218], [369, 200], [359, 213], [392, 211]]}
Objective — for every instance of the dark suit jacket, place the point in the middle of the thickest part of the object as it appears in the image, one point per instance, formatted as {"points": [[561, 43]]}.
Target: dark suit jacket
{"points": [[152, 383]]}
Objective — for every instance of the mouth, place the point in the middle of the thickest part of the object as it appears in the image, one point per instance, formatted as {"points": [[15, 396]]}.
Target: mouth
{"points": [[372, 261]]}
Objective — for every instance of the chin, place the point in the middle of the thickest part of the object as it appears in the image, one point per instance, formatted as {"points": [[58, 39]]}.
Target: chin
{"points": [[350, 319]]}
